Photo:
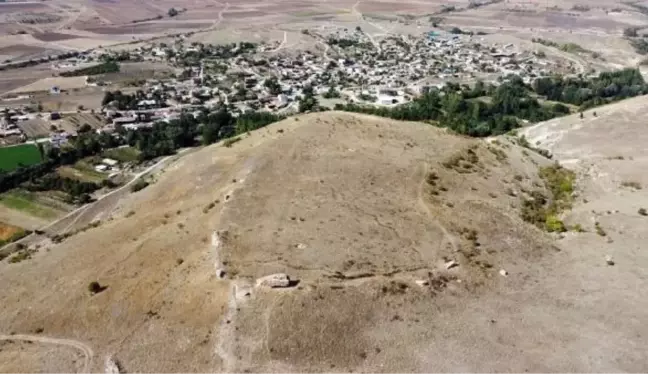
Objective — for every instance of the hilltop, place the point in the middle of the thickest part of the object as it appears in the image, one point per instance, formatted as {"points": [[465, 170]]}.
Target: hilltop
{"points": [[405, 243]]}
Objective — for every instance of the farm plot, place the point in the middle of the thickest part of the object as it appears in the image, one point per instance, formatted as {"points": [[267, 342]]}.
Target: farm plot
{"points": [[35, 128], [48, 205], [82, 171], [10, 233], [53, 36], [15, 156], [122, 154]]}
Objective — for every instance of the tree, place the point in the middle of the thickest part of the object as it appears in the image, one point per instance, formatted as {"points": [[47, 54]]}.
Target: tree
{"points": [[307, 103], [85, 128], [332, 93], [272, 84], [95, 288], [630, 32], [216, 125]]}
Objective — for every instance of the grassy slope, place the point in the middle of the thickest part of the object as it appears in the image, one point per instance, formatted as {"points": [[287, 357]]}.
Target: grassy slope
{"points": [[25, 202]]}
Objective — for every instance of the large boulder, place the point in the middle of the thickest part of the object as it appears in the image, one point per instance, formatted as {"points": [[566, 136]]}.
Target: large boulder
{"points": [[274, 281]]}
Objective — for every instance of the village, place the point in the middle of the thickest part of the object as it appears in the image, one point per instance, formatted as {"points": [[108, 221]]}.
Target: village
{"points": [[344, 66]]}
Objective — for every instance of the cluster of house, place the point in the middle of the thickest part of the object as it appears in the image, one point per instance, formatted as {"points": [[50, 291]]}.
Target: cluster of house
{"points": [[343, 66], [9, 123], [385, 72]]}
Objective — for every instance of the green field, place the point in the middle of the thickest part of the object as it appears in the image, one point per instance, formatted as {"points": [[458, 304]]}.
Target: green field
{"points": [[123, 154], [81, 171], [27, 202], [12, 157]]}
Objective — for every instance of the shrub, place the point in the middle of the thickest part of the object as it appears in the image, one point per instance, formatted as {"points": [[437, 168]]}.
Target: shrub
{"points": [[631, 184], [95, 288], [553, 224], [643, 212], [139, 185], [229, 142]]}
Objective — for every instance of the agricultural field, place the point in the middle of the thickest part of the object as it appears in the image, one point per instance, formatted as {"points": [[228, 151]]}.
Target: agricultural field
{"points": [[82, 171], [46, 205], [122, 154], [9, 233], [15, 156]]}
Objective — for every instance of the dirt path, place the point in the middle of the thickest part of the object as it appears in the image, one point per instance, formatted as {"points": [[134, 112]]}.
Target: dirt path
{"points": [[220, 16], [84, 348], [283, 43], [447, 237], [73, 18], [226, 334], [96, 207], [357, 13], [86, 208]]}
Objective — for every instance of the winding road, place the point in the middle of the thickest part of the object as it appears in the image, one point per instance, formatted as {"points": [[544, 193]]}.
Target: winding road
{"points": [[84, 348]]}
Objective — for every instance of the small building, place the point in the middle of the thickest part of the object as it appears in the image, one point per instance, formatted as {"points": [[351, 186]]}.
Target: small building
{"points": [[110, 162]]}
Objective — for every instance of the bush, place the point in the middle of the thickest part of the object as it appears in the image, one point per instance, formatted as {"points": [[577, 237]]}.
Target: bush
{"points": [[229, 142], [553, 224], [631, 184], [107, 67], [643, 212], [139, 185], [95, 288]]}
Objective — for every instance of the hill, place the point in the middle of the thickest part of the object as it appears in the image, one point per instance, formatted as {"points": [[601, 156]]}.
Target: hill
{"points": [[404, 243]]}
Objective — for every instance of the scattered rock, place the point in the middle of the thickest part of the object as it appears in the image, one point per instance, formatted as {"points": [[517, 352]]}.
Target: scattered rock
{"points": [[422, 282], [111, 366], [503, 273], [451, 264], [301, 246], [274, 281], [220, 273], [609, 260]]}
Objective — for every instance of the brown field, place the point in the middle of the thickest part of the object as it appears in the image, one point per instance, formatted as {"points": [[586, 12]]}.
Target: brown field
{"points": [[35, 127], [23, 52], [245, 14], [54, 36], [7, 231], [147, 28], [12, 7]]}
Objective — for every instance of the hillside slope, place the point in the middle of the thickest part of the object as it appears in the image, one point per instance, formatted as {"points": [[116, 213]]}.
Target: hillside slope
{"points": [[396, 234]]}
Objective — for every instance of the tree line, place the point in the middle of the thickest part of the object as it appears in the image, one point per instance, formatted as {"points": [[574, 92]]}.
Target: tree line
{"points": [[103, 68], [486, 110], [589, 92], [42, 176]]}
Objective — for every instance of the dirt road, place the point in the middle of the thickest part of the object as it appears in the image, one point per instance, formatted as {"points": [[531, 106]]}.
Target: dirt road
{"points": [[88, 213], [84, 348]]}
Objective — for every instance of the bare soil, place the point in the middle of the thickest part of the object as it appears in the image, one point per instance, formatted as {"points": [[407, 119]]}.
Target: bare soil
{"points": [[342, 203]]}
